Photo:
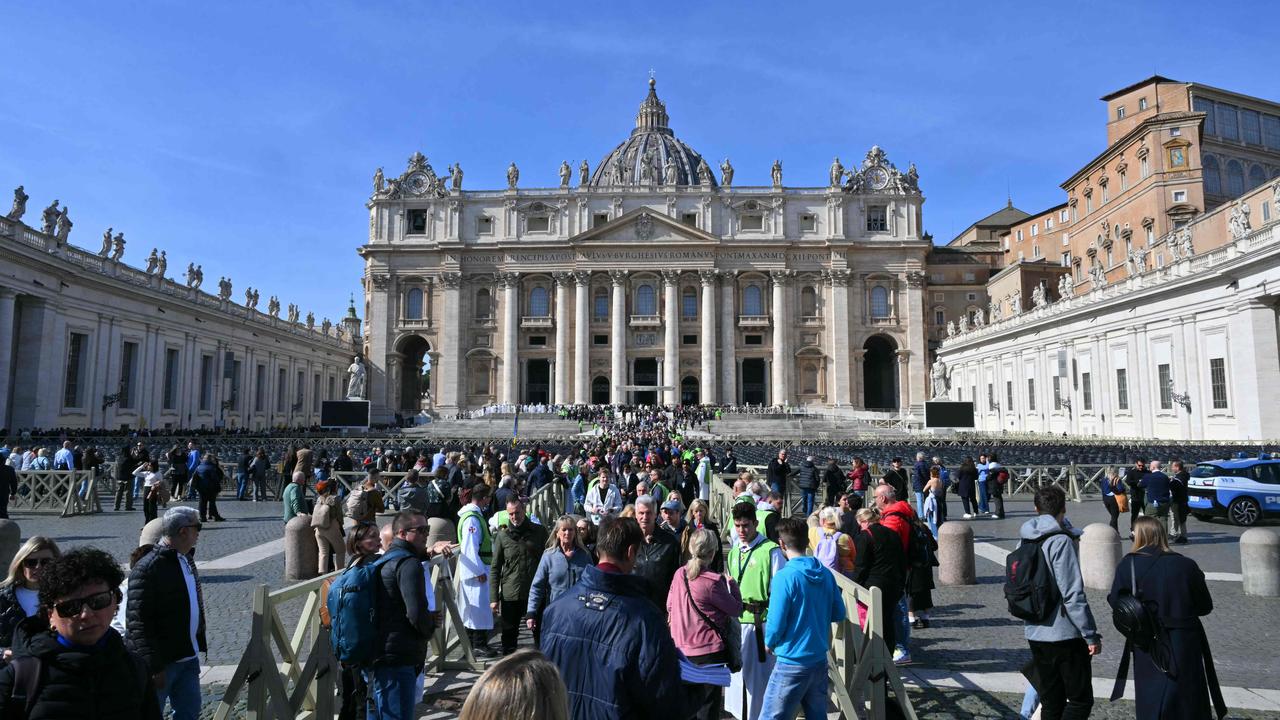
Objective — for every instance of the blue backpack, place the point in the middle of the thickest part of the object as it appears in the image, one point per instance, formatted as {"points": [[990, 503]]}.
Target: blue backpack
{"points": [[353, 610]]}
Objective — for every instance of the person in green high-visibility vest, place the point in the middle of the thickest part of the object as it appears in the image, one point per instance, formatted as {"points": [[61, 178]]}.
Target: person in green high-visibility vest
{"points": [[475, 554], [753, 561]]}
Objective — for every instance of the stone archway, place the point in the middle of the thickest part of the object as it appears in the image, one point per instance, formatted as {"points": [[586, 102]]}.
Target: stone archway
{"points": [[880, 373], [413, 350]]}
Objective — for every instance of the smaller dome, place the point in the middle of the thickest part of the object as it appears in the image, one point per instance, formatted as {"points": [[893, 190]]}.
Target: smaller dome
{"points": [[651, 153]]}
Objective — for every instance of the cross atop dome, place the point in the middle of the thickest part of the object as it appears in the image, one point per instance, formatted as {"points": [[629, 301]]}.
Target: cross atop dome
{"points": [[653, 113]]}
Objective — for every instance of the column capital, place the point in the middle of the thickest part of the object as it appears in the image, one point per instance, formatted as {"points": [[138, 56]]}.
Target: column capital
{"points": [[708, 277], [451, 280], [782, 277], [508, 279], [563, 279], [904, 356], [670, 277], [582, 277], [915, 279], [619, 277]]}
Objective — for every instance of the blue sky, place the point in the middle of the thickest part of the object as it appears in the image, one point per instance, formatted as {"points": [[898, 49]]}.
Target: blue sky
{"points": [[243, 136]]}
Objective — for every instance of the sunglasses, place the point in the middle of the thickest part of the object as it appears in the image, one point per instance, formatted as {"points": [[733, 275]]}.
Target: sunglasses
{"points": [[33, 563], [97, 601], [415, 529]]}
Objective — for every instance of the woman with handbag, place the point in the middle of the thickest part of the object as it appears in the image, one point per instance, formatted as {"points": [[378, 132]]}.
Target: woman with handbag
{"points": [[1114, 498], [702, 607]]}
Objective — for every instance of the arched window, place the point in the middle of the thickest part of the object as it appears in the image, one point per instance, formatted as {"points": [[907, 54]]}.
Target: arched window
{"points": [[600, 308], [484, 304], [1212, 175], [689, 304], [646, 300], [1235, 178], [879, 302], [1257, 176], [539, 302], [413, 304], [752, 303], [809, 302]]}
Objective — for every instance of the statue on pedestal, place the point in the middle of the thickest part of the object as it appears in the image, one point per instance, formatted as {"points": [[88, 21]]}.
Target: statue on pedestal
{"points": [[513, 176], [565, 173], [1066, 288], [199, 277], [63, 227], [670, 173], [273, 306], [249, 300], [979, 318], [726, 173], [152, 260], [117, 251], [325, 326], [379, 182], [1039, 296], [106, 243], [191, 275], [584, 174], [837, 172], [1238, 222], [355, 385], [224, 288], [704, 173], [162, 265], [20, 199], [293, 313], [775, 173], [49, 218], [311, 321], [941, 380]]}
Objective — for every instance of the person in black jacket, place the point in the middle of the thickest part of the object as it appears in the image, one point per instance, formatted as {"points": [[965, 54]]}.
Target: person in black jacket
{"points": [[833, 477], [80, 666], [1180, 508], [1137, 494], [777, 473], [897, 478], [729, 466], [128, 461], [8, 487], [405, 620], [807, 480], [208, 483], [878, 561], [164, 597], [659, 554]]}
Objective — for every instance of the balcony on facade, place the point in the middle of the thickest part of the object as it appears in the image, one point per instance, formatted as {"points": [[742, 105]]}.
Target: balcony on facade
{"points": [[646, 320], [753, 321], [535, 321], [413, 323]]}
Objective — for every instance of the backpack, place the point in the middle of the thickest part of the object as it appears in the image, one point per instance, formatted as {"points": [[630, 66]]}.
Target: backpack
{"points": [[1029, 585], [828, 551], [1002, 476], [921, 545], [357, 504], [353, 611], [1135, 617]]}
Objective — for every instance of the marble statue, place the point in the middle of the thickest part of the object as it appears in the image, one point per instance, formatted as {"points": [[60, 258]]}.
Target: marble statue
{"points": [[248, 298], [726, 173], [912, 178], [704, 173], [994, 309], [455, 177], [837, 172], [378, 182], [191, 274], [646, 168], [1098, 276], [941, 380], [1066, 288], [106, 243], [293, 312], [565, 173], [964, 324], [619, 174], [584, 174], [979, 318], [1039, 296], [670, 173], [311, 321], [199, 277], [355, 385], [224, 288], [1184, 241], [49, 218], [1015, 302], [325, 326], [63, 226], [951, 328], [1238, 223], [152, 260], [20, 198], [162, 265], [273, 306], [775, 173], [513, 176], [1275, 195]]}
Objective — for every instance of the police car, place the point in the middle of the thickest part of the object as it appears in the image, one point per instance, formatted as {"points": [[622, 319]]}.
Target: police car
{"points": [[1244, 490]]}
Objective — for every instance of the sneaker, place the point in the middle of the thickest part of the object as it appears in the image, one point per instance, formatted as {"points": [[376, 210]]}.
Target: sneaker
{"points": [[901, 657], [917, 624], [968, 516]]}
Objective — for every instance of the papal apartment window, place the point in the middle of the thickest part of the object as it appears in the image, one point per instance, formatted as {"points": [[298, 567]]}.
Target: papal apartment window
{"points": [[1048, 224], [1086, 391], [808, 223], [877, 218], [1062, 216], [1179, 196], [752, 301], [1057, 392], [689, 304], [1120, 113], [1218, 382], [1122, 389], [538, 224], [690, 219], [539, 302], [128, 371], [1106, 194], [170, 395], [1035, 230], [1151, 235], [484, 225], [752, 222], [1124, 182], [1088, 204], [598, 219], [879, 302], [1164, 377], [600, 304], [73, 392], [417, 222]]}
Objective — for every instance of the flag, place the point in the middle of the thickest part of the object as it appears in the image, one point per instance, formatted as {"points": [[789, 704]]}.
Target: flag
{"points": [[515, 427]]}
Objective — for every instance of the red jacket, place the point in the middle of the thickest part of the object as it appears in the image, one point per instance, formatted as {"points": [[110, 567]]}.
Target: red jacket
{"points": [[898, 523]]}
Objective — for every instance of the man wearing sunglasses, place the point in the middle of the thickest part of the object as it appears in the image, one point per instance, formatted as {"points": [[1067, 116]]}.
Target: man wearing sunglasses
{"points": [[165, 613], [76, 665]]}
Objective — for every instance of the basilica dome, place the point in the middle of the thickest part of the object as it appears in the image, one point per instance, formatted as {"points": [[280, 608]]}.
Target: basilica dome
{"points": [[652, 156]]}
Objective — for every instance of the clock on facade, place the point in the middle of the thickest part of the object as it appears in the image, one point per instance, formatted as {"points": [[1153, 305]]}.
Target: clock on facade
{"points": [[877, 178]]}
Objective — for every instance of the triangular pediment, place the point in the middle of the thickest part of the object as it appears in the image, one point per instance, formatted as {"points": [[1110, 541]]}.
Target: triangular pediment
{"points": [[644, 226]]}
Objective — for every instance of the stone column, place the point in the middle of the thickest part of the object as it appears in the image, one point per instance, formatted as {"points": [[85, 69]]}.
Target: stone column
{"points": [[916, 338], [618, 336], [728, 341], [904, 380], [858, 397], [782, 360], [561, 396], [510, 283], [582, 338], [838, 329], [8, 300], [707, 393], [671, 336], [451, 342]]}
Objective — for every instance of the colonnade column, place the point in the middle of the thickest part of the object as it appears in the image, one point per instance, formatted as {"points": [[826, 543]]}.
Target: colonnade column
{"points": [[838, 324], [707, 394], [618, 337], [728, 341], [510, 283], [452, 343], [581, 339], [561, 396], [8, 304], [781, 394], [671, 344]]}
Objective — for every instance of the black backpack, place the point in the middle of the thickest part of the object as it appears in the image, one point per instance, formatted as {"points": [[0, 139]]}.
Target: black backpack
{"points": [[922, 548], [1135, 617], [1029, 585]]}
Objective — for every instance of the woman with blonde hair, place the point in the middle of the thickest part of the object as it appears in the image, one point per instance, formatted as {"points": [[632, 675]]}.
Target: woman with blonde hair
{"points": [[833, 548], [1174, 679], [559, 568], [699, 603], [19, 593], [700, 519], [524, 685]]}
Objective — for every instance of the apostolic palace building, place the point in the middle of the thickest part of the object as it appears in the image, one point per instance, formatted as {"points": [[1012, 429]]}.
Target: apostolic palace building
{"points": [[650, 277]]}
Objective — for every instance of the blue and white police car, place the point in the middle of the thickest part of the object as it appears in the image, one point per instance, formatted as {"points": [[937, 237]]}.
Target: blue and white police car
{"points": [[1243, 490]]}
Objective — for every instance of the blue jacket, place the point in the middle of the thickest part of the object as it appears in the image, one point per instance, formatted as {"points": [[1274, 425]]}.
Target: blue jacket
{"points": [[803, 602], [578, 490], [920, 476], [614, 650], [1157, 486]]}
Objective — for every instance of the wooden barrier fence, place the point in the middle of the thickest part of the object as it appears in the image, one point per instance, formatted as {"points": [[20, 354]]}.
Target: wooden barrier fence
{"points": [[68, 492]]}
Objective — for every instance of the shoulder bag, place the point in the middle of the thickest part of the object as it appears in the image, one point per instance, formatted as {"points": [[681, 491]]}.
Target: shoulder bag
{"points": [[730, 635]]}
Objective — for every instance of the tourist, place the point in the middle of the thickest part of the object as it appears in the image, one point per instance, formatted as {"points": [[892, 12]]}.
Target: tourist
{"points": [[523, 685], [193, 461], [414, 495], [834, 480], [362, 546], [587, 536], [81, 666], [293, 499], [1113, 494], [1180, 507], [177, 472], [983, 478], [657, 489], [898, 516], [1173, 587], [242, 474], [166, 621], [121, 621], [778, 472], [326, 521], [559, 568], [659, 553], [878, 561], [931, 512], [804, 604], [944, 476], [152, 489], [603, 499], [1158, 495], [258, 468], [753, 561], [768, 513], [517, 551], [698, 605], [700, 519], [1062, 645], [897, 478], [729, 465], [1137, 495], [9, 486], [207, 480], [967, 487], [126, 462], [859, 477], [673, 516], [704, 474], [475, 553], [919, 478], [20, 591], [833, 548], [997, 480], [807, 480], [608, 620]]}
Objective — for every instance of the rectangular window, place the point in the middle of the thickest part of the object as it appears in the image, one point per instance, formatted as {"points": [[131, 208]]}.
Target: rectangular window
{"points": [[538, 223], [330, 394], [808, 223], [1142, 104], [170, 395], [690, 219], [970, 277], [991, 397], [753, 340], [1122, 389], [599, 340], [417, 222], [206, 382], [73, 390], [1179, 196], [1164, 380], [1086, 391], [1035, 230], [1048, 224], [1035, 251], [1218, 381], [1228, 122], [537, 341], [1019, 236], [877, 218], [1088, 204], [484, 225], [1146, 167], [1031, 394], [282, 381], [315, 394], [1008, 391], [689, 306], [1066, 259], [1251, 126], [752, 222], [260, 389], [236, 368], [1057, 392], [598, 219], [688, 339], [1106, 194], [1120, 113], [939, 317], [1062, 216], [1206, 106], [971, 297], [1124, 181], [128, 371], [1271, 131]]}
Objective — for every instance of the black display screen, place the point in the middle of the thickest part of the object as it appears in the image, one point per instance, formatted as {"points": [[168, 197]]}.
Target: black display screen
{"points": [[344, 413], [948, 414]]}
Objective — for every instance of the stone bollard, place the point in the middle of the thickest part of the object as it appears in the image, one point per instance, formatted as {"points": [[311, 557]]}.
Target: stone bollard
{"points": [[955, 554], [301, 553], [10, 541], [151, 533], [1260, 562], [1099, 556]]}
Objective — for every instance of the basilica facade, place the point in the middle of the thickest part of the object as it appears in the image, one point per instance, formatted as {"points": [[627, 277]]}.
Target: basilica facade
{"points": [[650, 278]]}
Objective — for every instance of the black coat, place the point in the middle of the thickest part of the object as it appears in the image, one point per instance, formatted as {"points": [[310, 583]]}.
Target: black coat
{"points": [[1177, 587], [878, 560], [11, 614], [8, 480], [208, 479], [656, 562], [100, 683], [777, 474], [966, 482], [158, 614], [807, 476], [897, 479], [405, 624]]}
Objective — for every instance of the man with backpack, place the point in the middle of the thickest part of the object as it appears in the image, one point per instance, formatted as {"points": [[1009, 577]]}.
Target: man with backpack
{"points": [[898, 516], [1044, 588], [998, 480]]}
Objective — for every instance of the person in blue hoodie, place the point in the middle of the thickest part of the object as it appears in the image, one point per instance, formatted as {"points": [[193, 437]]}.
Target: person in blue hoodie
{"points": [[804, 601]]}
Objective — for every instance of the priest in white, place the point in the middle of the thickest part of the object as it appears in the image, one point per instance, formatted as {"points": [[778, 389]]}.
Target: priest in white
{"points": [[475, 552]]}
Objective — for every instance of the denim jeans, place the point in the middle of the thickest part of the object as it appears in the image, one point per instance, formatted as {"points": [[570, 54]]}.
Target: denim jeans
{"points": [[901, 624], [982, 496], [391, 688], [792, 687], [182, 689], [806, 496], [920, 503], [1030, 701], [242, 485]]}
